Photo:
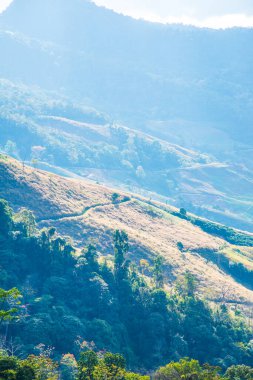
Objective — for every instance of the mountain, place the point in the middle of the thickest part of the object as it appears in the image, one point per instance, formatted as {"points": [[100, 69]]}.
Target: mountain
{"points": [[186, 89], [126, 186], [220, 258], [79, 141], [107, 270], [148, 72]]}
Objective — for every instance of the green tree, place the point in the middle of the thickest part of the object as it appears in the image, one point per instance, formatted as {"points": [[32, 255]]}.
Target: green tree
{"points": [[91, 256], [6, 222], [110, 367], [9, 302], [186, 285], [8, 367], [135, 376], [68, 367], [121, 264], [158, 272], [43, 366], [86, 365], [26, 220], [25, 372], [115, 197], [114, 362], [180, 246], [183, 212], [239, 372], [12, 368], [187, 369]]}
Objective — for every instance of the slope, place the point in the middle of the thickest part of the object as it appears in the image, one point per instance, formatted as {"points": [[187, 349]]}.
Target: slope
{"points": [[75, 140], [185, 86], [136, 71], [86, 211]]}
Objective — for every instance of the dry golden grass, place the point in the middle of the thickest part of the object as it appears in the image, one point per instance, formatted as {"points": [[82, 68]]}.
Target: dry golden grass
{"points": [[151, 230], [158, 235], [45, 193]]}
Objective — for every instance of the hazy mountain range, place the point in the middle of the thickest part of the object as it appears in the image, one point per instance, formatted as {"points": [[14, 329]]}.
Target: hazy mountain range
{"points": [[183, 94]]}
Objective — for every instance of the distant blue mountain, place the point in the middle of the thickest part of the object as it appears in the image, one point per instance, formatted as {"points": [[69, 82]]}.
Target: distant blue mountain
{"points": [[188, 86]]}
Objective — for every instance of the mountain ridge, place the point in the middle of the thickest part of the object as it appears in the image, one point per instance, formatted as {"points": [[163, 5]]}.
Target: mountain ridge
{"points": [[79, 141], [188, 87]]}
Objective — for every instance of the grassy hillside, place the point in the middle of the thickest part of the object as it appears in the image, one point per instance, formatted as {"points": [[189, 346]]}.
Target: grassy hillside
{"points": [[76, 301], [87, 211]]}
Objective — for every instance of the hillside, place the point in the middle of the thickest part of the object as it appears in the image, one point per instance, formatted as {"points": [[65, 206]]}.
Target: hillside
{"points": [[187, 89], [78, 141], [86, 211], [126, 182], [134, 70]]}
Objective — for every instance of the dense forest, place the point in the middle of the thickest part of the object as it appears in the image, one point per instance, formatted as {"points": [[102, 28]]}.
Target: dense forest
{"points": [[75, 301]]}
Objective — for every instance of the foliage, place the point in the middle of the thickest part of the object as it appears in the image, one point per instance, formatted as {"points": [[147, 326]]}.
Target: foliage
{"points": [[6, 217], [115, 197], [239, 372], [92, 366], [9, 303], [158, 271], [71, 299], [187, 369], [180, 246], [32, 368], [186, 285], [227, 233], [86, 365], [68, 367]]}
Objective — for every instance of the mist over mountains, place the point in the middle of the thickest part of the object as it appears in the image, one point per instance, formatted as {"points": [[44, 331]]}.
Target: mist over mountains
{"points": [[182, 85]]}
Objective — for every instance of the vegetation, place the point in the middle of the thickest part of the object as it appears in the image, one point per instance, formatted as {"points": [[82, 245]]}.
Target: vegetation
{"points": [[193, 370], [71, 299], [240, 272], [108, 366], [82, 141], [67, 313], [227, 233], [9, 300]]}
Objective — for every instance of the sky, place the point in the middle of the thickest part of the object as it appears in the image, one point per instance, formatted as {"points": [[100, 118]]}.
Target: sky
{"points": [[203, 13], [4, 4]]}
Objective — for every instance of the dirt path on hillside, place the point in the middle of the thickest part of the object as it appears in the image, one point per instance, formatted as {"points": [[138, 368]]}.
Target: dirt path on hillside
{"points": [[80, 214]]}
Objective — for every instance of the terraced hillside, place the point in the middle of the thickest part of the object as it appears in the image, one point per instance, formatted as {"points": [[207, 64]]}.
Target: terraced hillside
{"points": [[86, 211]]}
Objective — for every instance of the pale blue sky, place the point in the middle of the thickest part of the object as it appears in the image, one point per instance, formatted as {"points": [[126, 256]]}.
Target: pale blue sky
{"points": [[211, 13], [4, 4]]}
